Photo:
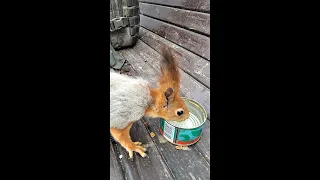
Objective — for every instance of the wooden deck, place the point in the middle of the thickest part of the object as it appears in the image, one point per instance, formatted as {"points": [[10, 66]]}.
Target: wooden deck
{"points": [[189, 42], [163, 161]]}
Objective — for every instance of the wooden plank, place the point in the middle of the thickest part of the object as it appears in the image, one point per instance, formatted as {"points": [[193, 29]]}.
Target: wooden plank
{"points": [[184, 164], [199, 5], [203, 145], [150, 167], [196, 43], [141, 68], [189, 87], [127, 69], [194, 65], [115, 166], [130, 173], [188, 19]]}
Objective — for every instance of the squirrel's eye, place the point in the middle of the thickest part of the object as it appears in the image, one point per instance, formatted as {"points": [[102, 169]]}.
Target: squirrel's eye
{"points": [[179, 112]]}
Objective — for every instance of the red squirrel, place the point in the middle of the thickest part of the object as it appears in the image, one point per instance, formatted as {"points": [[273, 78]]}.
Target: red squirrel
{"points": [[133, 98]]}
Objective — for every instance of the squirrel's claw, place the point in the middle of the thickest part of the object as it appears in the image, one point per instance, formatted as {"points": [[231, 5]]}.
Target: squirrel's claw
{"points": [[137, 143], [136, 146]]}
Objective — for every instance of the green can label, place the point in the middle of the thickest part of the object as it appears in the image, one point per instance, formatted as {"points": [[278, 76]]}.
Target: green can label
{"points": [[187, 135], [180, 136]]}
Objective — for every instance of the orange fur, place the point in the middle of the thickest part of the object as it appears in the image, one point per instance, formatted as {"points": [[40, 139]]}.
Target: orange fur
{"points": [[170, 78]]}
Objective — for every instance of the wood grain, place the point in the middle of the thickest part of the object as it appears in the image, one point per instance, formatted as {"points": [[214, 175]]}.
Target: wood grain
{"points": [[194, 42], [189, 62], [115, 166], [196, 5], [184, 164], [188, 19], [150, 167], [203, 145]]}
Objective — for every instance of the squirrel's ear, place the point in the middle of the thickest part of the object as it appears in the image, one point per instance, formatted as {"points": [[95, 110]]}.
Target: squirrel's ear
{"points": [[169, 96], [168, 92]]}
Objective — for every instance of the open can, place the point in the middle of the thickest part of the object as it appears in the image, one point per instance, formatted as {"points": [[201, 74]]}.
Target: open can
{"points": [[187, 132]]}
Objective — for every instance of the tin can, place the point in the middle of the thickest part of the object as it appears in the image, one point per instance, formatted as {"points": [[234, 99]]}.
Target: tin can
{"points": [[187, 132]]}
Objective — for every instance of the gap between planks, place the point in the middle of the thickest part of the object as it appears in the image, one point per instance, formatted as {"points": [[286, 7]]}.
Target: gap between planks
{"points": [[177, 25], [178, 6], [153, 166], [180, 161], [200, 25], [192, 64], [117, 166], [194, 42]]}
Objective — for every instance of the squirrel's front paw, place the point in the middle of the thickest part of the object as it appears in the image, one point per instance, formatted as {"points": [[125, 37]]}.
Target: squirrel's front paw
{"points": [[136, 146]]}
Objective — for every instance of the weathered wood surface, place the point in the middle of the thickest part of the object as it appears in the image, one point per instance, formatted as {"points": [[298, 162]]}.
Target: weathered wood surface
{"points": [[150, 167], [191, 20], [163, 161], [203, 145], [194, 42], [196, 5], [184, 164], [142, 69], [189, 87], [146, 61], [127, 69], [190, 63], [115, 166]]}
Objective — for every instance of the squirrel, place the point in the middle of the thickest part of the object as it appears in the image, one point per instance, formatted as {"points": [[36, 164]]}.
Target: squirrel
{"points": [[133, 98]]}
